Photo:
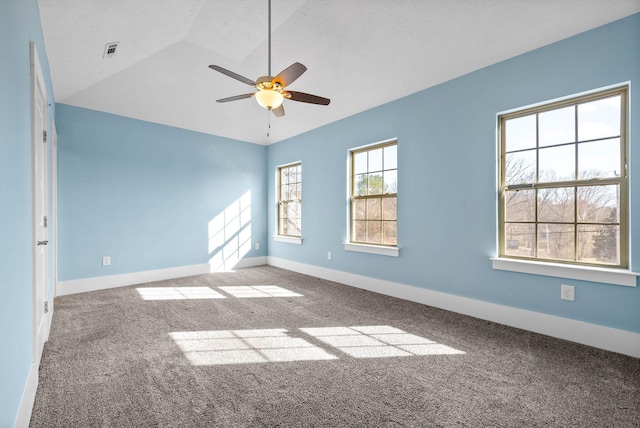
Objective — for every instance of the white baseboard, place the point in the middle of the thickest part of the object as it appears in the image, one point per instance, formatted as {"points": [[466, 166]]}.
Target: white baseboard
{"points": [[250, 262], [112, 281], [28, 398], [610, 339]]}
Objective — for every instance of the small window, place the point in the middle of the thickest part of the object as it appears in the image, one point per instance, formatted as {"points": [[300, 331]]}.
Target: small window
{"points": [[374, 195], [290, 200], [563, 181]]}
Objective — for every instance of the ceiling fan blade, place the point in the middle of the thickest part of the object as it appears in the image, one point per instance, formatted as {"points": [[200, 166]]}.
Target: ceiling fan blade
{"points": [[289, 74], [278, 112], [307, 98], [237, 97], [233, 75]]}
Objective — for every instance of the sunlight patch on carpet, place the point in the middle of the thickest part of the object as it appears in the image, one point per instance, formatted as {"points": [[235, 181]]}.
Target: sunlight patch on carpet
{"points": [[246, 346], [381, 341], [220, 347], [178, 293], [245, 291]]}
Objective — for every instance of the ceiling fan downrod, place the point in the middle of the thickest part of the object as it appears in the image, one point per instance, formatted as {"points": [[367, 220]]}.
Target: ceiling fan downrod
{"points": [[269, 61]]}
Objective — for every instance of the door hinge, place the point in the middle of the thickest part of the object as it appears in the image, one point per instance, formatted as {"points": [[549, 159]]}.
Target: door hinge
{"points": [[44, 222], [44, 136], [46, 307]]}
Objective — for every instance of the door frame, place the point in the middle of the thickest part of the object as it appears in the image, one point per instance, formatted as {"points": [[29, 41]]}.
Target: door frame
{"points": [[53, 224], [38, 149]]}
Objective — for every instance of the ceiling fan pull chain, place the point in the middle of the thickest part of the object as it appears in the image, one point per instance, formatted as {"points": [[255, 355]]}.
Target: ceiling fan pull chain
{"points": [[268, 123]]}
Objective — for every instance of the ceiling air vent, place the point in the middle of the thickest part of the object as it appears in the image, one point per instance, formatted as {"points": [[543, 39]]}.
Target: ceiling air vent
{"points": [[110, 49]]}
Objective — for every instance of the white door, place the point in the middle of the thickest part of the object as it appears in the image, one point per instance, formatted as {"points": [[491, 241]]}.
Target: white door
{"points": [[39, 219]]}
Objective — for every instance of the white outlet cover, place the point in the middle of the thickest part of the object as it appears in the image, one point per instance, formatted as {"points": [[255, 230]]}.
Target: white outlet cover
{"points": [[567, 292]]}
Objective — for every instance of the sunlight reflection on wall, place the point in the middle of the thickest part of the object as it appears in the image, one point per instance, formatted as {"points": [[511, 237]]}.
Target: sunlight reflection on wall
{"points": [[230, 234]]}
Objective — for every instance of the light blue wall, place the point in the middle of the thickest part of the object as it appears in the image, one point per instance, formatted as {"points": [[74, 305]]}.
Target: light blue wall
{"points": [[447, 179], [19, 24], [144, 193]]}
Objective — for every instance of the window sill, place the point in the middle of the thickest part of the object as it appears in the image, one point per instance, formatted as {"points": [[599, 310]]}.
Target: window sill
{"points": [[373, 249], [583, 273], [288, 239]]}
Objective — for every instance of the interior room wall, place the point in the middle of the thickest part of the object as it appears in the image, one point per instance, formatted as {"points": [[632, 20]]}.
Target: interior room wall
{"points": [[447, 178], [151, 196], [19, 24], [147, 195]]}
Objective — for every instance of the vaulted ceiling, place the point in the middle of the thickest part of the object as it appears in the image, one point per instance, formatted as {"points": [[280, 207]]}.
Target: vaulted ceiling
{"points": [[359, 53]]}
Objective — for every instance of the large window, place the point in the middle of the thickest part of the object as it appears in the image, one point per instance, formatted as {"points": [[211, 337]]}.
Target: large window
{"points": [[290, 200], [374, 194], [563, 181]]}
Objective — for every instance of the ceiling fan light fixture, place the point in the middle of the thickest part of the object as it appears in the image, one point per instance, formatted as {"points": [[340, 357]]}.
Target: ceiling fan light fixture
{"points": [[269, 99]]}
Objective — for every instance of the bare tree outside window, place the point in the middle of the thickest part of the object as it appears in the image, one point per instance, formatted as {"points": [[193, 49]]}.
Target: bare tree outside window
{"points": [[374, 195], [563, 181]]}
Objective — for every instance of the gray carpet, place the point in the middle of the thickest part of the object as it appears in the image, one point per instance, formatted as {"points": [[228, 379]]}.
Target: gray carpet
{"points": [[162, 355]]}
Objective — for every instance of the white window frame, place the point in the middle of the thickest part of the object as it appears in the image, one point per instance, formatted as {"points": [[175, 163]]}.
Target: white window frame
{"points": [[278, 237], [378, 249], [618, 275]]}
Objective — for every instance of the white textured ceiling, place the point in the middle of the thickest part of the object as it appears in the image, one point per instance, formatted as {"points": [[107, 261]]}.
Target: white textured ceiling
{"points": [[359, 53]]}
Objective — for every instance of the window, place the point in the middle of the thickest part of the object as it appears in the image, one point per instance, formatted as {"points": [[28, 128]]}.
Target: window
{"points": [[374, 195], [290, 200], [563, 181]]}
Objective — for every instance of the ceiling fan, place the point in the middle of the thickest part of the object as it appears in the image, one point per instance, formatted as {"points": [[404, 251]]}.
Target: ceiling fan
{"points": [[271, 90]]}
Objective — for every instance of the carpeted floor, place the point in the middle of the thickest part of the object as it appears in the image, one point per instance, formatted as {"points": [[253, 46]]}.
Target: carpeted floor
{"points": [[266, 347]]}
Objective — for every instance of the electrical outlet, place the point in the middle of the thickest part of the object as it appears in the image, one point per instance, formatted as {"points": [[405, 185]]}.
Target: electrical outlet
{"points": [[106, 261], [328, 255], [567, 292], [257, 245]]}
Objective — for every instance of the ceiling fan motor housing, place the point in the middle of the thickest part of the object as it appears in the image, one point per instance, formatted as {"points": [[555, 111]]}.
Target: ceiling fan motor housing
{"points": [[268, 83]]}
